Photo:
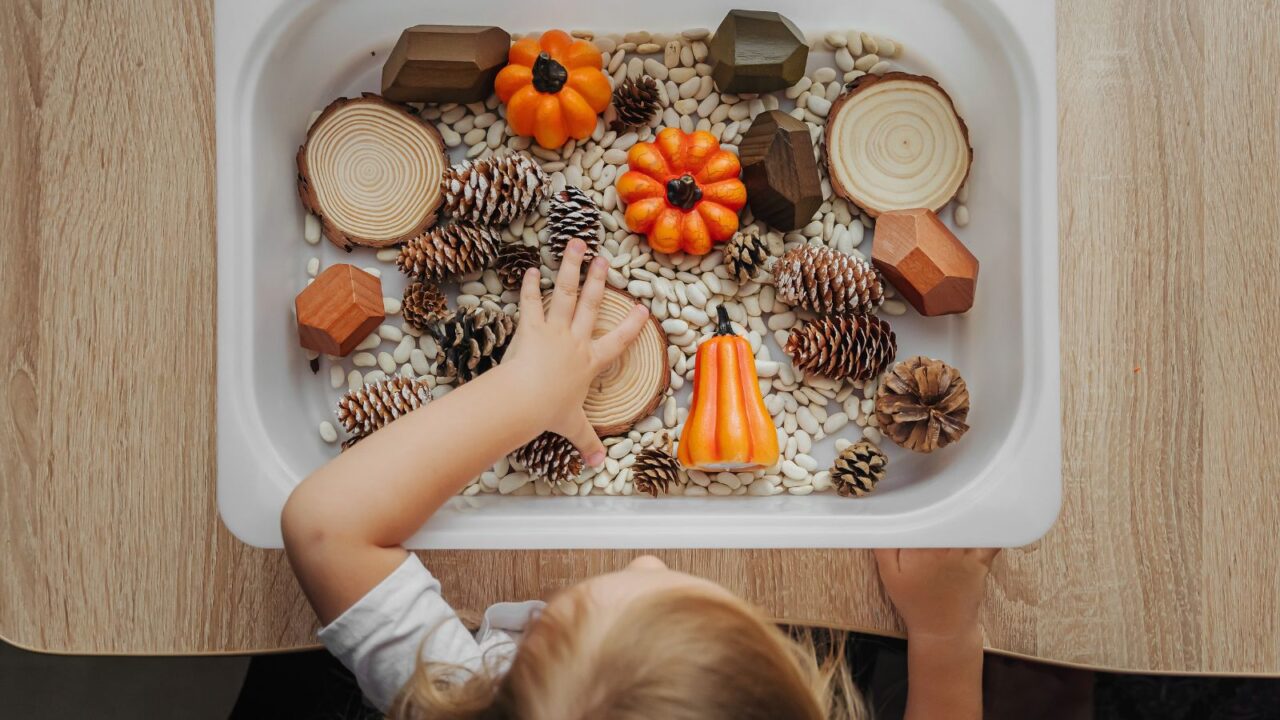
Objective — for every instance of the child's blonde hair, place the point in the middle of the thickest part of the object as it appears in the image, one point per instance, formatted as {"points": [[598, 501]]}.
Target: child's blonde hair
{"points": [[675, 655]]}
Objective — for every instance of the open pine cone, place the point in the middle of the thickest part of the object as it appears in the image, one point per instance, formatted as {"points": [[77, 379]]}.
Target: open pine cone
{"points": [[551, 457], [655, 469], [573, 215], [513, 260], [472, 340], [494, 191], [745, 254], [922, 404], [827, 281], [852, 347], [636, 102], [446, 252], [424, 305], [372, 407], [858, 469]]}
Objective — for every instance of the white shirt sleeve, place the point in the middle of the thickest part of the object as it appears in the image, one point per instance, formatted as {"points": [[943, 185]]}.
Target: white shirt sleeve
{"points": [[379, 638]]}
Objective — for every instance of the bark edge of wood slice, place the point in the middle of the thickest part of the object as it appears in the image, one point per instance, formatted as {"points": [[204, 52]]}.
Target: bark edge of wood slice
{"points": [[849, 161], [395, 192]]}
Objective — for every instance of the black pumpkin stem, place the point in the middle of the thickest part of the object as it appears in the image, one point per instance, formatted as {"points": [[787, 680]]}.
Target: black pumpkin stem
{"points": [[722, 321], [548, 75], [683, 192]]}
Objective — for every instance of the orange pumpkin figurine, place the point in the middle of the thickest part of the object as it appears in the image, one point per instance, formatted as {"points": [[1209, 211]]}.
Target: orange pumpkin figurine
{"points": [[553, 88], [728, 427], [682, 191]]}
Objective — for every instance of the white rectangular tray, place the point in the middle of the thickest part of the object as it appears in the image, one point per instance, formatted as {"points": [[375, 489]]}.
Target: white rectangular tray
{"points": [[278, 60]]}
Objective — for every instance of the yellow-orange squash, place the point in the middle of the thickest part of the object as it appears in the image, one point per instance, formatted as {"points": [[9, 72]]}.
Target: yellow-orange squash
{"points": [[682, 191], [728, 427], [553, 88]]}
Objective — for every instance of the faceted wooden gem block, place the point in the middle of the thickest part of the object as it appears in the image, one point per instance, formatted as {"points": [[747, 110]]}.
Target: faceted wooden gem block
{"points": [[445, 63], [756, 52], [929, 265], [779, 170], [339, 309]]}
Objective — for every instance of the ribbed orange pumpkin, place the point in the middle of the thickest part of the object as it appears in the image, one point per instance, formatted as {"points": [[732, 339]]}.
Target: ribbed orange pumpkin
{"points": [[682, 191], [553, 88], [728, 427]]}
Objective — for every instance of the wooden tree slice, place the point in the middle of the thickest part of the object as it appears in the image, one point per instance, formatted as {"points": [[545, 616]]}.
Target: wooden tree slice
{"points": [[631, 388], [896, 142], [370, 170]]}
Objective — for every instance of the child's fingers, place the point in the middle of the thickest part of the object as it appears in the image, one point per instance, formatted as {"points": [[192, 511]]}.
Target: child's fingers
{"points": [[565, 297], [584, 317], [531, 295], [584, 438], [611, 345]]}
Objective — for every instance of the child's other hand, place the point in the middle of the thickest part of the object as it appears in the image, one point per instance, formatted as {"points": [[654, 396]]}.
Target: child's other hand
{"points": [[554, 350], [938, 592]]}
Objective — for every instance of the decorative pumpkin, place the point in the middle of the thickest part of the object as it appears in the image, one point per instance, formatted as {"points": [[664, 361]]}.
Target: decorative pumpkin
{"points": [[682, 191], [728, 427], [553, 88]]}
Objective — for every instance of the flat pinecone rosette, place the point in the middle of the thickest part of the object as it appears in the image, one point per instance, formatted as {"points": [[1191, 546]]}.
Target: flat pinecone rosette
{"points": [[424, 305], [746, 253], [573, 215], [514, 259], [922, 404], [858, 469], [849, 347], [550, 457], [373, 407], [827, 281], [472, 340], [636, 102], [494, 191], [447, 252]]}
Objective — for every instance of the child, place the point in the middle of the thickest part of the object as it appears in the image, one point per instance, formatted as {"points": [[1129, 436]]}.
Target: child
{"points": [[643, 642]]}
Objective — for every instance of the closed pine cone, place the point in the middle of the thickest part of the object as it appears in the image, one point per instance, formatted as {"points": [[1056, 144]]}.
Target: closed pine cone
{"points": [[850, 347], [495, 190], [513, 260], [827, 281], [372, 407], [858, 469], [636, 102], [655, 469], [472, 340], [445, 252], [746, 253], [922, 404], [551, 457], [424, 305], [573, 215]]}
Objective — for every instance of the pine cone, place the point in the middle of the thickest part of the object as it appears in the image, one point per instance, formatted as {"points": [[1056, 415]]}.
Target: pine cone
{"points": [[513, 260], [445, 252], [472, 340], [745, 254], [858, 469], [827, 281], [573, 215], [372, 407], [922, 404], [424, 305], [550, 457], [636, 102], [655, 469], [852, 347], [495, 190]]}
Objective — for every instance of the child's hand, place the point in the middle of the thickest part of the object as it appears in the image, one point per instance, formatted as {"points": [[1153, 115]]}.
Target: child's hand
{"points": [[555, 351], [938, 592]]}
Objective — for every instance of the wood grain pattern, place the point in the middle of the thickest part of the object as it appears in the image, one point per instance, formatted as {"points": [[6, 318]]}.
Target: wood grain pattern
{"points": [[1163, 558]]}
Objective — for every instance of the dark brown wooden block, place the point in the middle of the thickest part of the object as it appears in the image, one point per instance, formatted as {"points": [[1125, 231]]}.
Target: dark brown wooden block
{"points": [[339, 309], [929, 265], [445, 63], [779, 170], [755, 52]]}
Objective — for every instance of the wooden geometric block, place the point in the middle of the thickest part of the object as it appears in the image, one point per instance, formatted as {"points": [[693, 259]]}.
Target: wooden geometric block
{"points": [[929, 265], [779, 170], [445, 63], [755, 52], [339, 309]]}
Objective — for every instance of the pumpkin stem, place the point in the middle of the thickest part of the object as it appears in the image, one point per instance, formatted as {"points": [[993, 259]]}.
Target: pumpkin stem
{"points": [[683, 192], [548, 75], [722, 321]]}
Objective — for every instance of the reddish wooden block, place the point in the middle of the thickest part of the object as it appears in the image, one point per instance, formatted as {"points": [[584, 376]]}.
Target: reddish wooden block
{"points": [[445, 63], [929, 265], [339, 309]]}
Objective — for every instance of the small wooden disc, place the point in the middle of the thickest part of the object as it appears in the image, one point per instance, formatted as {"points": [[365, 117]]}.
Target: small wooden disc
{"points": [[631, 388]]}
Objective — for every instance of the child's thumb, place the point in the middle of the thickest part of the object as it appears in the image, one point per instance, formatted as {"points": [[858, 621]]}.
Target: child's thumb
{"points": [[584, 438]]}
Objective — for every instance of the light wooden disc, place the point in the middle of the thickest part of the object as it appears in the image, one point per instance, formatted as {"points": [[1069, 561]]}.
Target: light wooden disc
{"points": [[895, 142], [371, 171], [629, 389]]}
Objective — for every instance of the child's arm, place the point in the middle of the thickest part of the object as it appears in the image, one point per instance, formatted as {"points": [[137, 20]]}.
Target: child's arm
{"points": [[344, 524], [938, 593]]}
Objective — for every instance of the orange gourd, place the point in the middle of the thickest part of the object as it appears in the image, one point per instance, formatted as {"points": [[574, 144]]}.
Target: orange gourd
{"points": [[682, 191], [728, 427], [553, 88]]}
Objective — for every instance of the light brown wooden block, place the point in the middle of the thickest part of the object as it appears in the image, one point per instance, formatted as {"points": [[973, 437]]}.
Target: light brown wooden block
{"points": [[339, 309], [445, 63], [929, 265]]}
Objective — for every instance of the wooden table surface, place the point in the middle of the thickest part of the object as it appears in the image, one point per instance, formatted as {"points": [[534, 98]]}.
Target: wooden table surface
{"points": [[1164, 558]]}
